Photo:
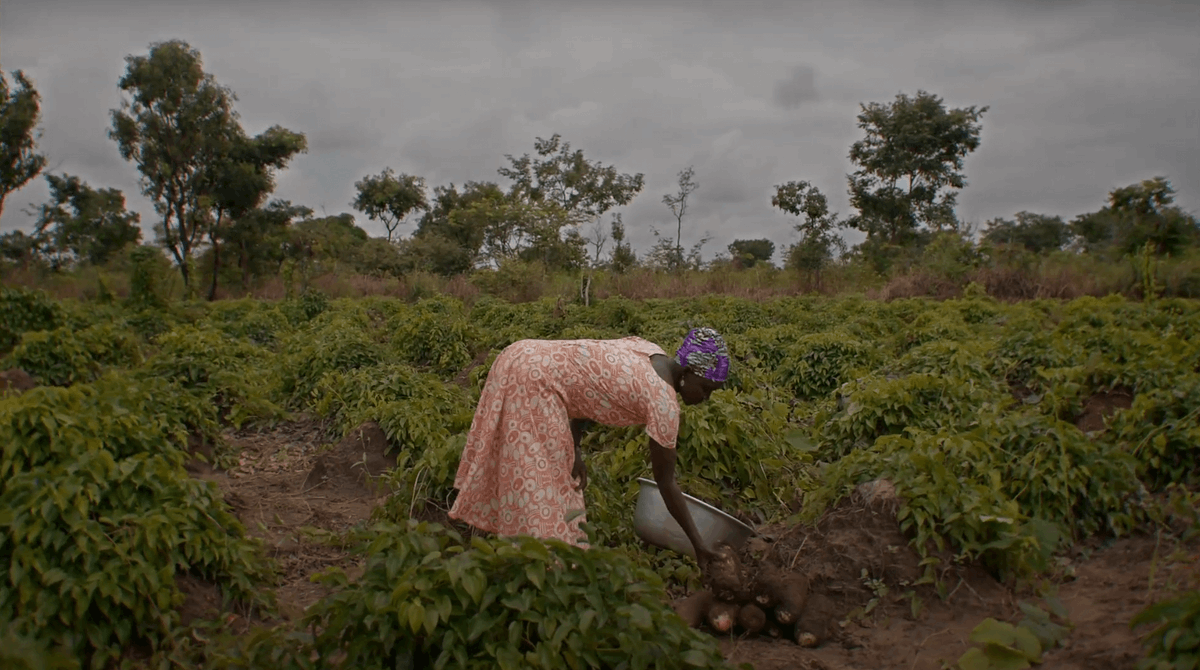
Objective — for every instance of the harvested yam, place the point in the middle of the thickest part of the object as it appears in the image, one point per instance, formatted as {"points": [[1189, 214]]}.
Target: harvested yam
{"points": [[793, 596], [694, 608], [722, 616], [767, 586], [772, 630], [751, 618], [807, 640], [724, 573]]}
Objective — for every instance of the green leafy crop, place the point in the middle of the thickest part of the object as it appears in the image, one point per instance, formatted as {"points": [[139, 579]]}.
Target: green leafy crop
{"points": [[429, 597], [98, 516]]}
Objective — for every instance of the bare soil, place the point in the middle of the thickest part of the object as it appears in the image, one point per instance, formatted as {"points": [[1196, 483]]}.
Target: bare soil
{"points": [[295, 491]]}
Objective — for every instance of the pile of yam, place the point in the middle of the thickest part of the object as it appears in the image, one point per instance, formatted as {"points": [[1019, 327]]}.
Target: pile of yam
{"points": [[770, 604]]}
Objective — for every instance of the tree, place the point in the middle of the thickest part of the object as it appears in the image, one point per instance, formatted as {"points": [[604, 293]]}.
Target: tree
{"points": [[581, 188], [20, 110], [239, 178], [259, 237], [748, 253], [1038, 233], [597, 238], [1136, 215], [677, 203], [88, 224], [569, 190], [911, 158], [176, 124], [446, 244], [622, 259], [390, 198], [818, 240]]}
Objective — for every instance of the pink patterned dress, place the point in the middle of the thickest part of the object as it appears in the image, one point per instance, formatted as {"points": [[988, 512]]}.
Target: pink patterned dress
{"points": [[515, 474]]}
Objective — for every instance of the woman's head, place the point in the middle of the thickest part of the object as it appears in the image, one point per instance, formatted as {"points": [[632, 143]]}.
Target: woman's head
{"points": [[705, 361]]}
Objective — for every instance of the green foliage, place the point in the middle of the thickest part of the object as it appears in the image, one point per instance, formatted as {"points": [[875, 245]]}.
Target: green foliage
{"points": [[22, 311], [96, 228], [335, 344], [429, 597], [98, 517], [1174, 642], [435, 334], [1005, 647], [20, 109], [256, 322], [1004, 491], [66, 356], [874, 407], [19, 652], [751, 252], [819, 363], [390, 198], [910, 165], [232, 375], [1162, 430]]}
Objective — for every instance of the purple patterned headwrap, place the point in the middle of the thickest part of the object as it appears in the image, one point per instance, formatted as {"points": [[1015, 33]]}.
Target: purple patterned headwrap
{"points": [[704, 352]]}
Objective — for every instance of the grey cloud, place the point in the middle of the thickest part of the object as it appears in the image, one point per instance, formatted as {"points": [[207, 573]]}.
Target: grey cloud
{"points": [[1085, 95], [798, 88]]}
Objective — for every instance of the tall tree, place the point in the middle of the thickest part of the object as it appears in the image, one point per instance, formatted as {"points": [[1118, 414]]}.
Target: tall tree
{"points": [[749, 253], [677, 203], [568, 190], [559, 176], [20, 109], [1137, 214], [818, 239], [1038, 233], [176, 124], [390, 198], [622, 258], [238, 180], [259, 237], [910, 164], [91, 225], [446, 244]]}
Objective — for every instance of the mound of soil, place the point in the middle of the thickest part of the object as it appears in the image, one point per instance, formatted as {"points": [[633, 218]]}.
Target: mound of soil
{"points": [[16, 380], [1099, 406], [355, 464]]}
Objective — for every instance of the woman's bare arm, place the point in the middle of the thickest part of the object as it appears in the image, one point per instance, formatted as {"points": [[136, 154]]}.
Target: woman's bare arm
{"points": [[662, 460]]}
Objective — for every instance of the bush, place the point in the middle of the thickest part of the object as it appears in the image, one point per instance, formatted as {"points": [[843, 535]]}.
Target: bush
{"points": [[1004, 492], [817, 364], [435, 334], [98, 516], [65, 356], [874, 407], [335, 344], [1162, 431], [1174, 642], [231, 374], [22, 311], [429, 598]]}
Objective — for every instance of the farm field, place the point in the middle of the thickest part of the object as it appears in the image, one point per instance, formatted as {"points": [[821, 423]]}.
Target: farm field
{"points": [[236, 484]]}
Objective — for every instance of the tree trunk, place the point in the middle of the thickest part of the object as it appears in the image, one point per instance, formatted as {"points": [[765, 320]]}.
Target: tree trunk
{"points": [[216, 267], [244, 264]]}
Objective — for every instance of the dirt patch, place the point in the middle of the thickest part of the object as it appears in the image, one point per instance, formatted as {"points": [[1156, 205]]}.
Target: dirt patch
{"points": [[865, 611], [353, 466], [15, 381], [463, 378], [202, 600], [1098, 407], [299, 516]]}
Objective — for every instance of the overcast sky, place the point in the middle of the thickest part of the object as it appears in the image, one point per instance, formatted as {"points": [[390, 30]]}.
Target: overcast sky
{"points": [[1085, 95]]}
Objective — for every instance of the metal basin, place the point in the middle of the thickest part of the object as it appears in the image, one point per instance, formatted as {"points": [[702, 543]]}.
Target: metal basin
{"points": [[654, 524]]}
